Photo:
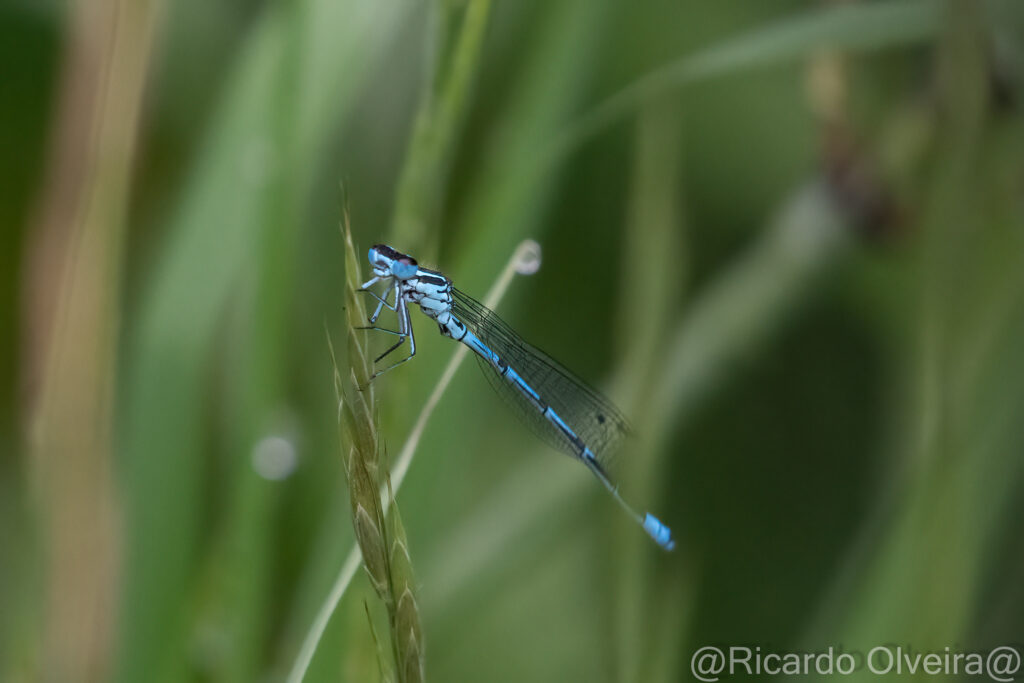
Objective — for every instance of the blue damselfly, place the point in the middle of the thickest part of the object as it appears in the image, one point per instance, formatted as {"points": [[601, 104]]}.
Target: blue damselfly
{"points": [[555, 403]]}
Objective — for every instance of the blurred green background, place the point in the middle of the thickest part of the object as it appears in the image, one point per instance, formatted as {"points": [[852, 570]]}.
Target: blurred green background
{"points": [[785, 236]]}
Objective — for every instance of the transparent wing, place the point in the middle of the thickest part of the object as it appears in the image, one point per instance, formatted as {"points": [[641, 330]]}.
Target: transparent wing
{"points": [[589, 414]]}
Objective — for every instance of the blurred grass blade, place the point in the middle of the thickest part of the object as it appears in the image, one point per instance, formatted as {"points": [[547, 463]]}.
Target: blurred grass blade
{"points": [[862, 26], [73, 286], [655, 218], [420, 192], [507, 193], [293, 82]]}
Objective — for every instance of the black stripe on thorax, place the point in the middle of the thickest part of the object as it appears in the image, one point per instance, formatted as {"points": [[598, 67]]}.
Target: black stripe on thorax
{"points": [[431, 280], [432, 277]]}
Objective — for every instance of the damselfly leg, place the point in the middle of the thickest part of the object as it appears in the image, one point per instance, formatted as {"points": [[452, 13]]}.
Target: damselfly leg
{"points": [[383, 300], [404, 329]]}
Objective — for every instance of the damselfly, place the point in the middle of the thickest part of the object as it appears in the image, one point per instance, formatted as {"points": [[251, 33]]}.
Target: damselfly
{"points": [[559, 406]]}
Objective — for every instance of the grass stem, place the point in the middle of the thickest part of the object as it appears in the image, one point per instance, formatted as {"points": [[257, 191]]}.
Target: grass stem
{"points": [[525, 261]]}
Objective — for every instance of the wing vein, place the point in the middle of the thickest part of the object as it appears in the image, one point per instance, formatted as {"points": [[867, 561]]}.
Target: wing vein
{"points": [[589, 414]]}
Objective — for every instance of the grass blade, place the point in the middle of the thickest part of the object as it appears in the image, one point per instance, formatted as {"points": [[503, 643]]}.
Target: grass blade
{"points": [[420, 192], [74, 284], [836, 26]]}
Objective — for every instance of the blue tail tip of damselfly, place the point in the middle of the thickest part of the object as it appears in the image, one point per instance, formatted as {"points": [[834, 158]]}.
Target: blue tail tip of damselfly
{"points": [[661, 534]]}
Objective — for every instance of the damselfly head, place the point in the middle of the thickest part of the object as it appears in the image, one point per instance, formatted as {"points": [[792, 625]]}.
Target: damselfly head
{"points": [[388, 262]]}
